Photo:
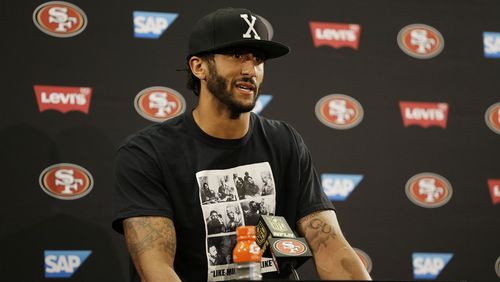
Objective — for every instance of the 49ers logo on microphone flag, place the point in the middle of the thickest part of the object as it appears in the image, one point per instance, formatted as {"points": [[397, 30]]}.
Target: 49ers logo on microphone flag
{"points": [[420, 41], [429, 190], [63, 99], [290, 246], [339, 111], [60, 19], [159, 103], [66, 181]]}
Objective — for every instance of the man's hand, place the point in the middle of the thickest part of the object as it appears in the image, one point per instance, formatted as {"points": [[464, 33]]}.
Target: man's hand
{"points": [[151, 242], [334, 257]]}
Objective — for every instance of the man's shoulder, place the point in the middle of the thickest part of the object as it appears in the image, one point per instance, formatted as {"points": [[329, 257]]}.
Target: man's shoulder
{"points": [[275, 128]]}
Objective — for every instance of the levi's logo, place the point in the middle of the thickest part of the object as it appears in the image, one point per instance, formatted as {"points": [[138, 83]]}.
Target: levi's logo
{"points": [[336, 35], [63, 99], [424, 114], [494, 185]]}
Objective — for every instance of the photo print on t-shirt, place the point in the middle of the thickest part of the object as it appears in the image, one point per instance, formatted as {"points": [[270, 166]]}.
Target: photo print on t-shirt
{"points": [[220, 250], [230, 198]]}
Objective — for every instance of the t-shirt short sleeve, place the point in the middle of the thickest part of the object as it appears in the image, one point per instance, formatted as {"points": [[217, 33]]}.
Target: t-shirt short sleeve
{"points": [[138, 184], [311, 196]]}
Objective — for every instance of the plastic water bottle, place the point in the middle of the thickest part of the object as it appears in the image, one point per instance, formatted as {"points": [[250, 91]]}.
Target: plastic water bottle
{"points": [[247, 254]]}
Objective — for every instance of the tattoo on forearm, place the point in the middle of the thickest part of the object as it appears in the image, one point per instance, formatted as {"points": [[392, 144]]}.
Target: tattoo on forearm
{"points": [[320, 231], [144, 233]]}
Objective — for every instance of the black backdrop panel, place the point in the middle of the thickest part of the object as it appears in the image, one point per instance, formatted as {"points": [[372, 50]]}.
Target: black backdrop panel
{"points": [[378, 218]]}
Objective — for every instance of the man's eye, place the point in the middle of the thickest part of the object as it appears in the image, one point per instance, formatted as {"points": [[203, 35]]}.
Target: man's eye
{"points": [[236, 55]]}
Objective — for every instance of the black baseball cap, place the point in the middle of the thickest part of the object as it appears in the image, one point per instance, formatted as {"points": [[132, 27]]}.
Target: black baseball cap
{"points": [[234, 27]]}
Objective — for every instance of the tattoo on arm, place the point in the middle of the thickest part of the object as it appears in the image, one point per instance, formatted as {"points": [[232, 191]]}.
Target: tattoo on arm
{"points": [[145, 233], [319, 231]]}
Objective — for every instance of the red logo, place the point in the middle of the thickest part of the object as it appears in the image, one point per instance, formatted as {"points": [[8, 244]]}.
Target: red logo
{"points": [[60, 19], [492, 117], [63, 99], [66, 181], [494, 185], [335, 35], [159, 103], [420, 41], [365, 259], [424, 114], [339, 111], [290, 246], [428, 190]]}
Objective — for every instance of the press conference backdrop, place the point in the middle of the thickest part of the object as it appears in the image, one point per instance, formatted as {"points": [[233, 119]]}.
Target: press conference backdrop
{"points": [[398, 101]]}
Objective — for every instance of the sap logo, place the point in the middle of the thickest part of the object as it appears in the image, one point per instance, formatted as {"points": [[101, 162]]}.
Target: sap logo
{"points": [[261, 103], [151, 24], [491, 42], [338, 187], [429, 265], [63, 264]]}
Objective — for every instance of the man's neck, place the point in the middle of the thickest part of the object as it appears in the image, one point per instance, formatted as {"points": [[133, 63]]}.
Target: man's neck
{"points": [[216, 120]]}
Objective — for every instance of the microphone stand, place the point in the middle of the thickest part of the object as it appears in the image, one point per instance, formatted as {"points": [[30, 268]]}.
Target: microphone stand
{"points": [[294, 272]]}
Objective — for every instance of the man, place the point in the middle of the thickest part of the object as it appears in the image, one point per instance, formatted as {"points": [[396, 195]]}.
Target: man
{"points": [[157, 197], [215, 223]]}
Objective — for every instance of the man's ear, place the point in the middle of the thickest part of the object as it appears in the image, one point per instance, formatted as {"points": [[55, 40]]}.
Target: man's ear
{"points": [[198, 67]]}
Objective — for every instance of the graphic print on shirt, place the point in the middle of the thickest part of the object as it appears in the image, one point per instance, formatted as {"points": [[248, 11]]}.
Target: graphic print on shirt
{"points": [[230, 198]]}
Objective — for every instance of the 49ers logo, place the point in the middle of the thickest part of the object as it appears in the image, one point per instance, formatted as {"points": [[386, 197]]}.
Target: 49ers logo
{"points": [[159, 103], [492, 117], [428, 190], [420, 41], [290, 247], [60, 19], [66, 181], [339, 111]]}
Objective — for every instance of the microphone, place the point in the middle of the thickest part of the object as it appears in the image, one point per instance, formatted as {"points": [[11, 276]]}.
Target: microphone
{"points": [[275, 237]]}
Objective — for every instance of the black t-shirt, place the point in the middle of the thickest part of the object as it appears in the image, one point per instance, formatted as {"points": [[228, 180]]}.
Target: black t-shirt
{"points": [[209, 186]]}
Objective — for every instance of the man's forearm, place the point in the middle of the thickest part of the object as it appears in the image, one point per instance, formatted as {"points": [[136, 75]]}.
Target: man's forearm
{"points": [[342, 265], [334, 257], [151, 242]]}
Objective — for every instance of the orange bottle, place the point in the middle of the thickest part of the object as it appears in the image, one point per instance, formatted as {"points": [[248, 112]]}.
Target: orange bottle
{"points": [[247, 254]]}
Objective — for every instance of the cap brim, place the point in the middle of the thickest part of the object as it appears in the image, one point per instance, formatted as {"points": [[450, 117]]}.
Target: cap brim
{"points": [[271, 49]]}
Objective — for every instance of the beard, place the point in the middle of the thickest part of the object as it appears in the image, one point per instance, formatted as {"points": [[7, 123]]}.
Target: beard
{"points": [[218, 86]]}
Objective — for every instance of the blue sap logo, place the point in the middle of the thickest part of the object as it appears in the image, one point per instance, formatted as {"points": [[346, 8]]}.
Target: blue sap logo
{"points": [[491, 44], [261, 103], [63, 264], [150, 24], [429, 265], [338, 187]]}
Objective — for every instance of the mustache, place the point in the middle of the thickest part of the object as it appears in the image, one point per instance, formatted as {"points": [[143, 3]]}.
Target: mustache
{"points": [[247, 79]]}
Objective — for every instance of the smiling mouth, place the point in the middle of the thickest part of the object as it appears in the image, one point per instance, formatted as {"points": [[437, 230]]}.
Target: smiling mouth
{"points": [[246, 87]]}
